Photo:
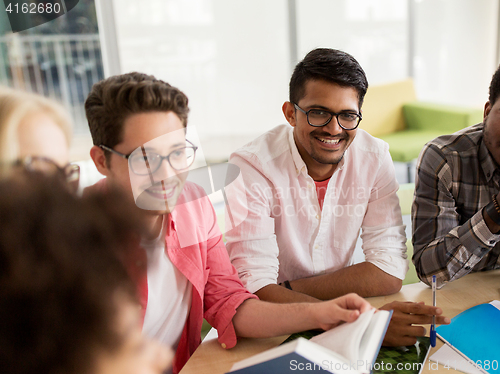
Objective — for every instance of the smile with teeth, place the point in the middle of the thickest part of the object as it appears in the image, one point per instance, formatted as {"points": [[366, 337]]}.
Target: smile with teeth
{"points": [[163, 193], [329, 141]]}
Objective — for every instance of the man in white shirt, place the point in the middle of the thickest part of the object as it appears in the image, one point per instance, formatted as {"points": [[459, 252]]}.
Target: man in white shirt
{"points": [[311, 188]]}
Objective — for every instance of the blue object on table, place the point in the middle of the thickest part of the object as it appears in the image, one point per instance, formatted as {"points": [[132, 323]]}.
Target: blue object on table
{"points": [[475, 333]]}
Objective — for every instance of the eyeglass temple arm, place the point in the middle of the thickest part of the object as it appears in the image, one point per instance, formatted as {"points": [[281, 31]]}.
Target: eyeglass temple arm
{"points": [[113, 151]]}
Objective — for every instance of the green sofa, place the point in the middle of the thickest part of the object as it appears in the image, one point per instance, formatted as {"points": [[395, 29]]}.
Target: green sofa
{"points": [[392, 112], [424, 122], [405, 195]]}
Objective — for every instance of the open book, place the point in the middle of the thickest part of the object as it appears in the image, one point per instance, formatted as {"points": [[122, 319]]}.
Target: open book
{"points": [[348, 348], [475, 335]]}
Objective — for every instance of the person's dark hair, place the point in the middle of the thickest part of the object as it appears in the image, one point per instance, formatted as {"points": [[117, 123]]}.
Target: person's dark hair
{"points": [[112, 100], [60, 276], [495, 87], [330, 65]]}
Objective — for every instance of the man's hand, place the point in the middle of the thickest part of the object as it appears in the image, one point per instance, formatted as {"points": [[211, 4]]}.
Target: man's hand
{"points": [[492, 225], [401, 329], [346, 308]]}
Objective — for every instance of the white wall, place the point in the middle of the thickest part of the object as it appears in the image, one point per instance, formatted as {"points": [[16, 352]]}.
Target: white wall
{"points": [[455, 50], [230, 57], [374, 32]]}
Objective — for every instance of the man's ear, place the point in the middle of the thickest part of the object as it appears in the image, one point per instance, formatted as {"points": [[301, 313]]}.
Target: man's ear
{"points": [[487, 108], [99, 158], [289, 112]]}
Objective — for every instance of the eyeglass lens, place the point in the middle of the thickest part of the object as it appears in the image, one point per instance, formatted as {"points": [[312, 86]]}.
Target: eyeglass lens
{"points": [[71, 172], [145, 162], [321, 117]]}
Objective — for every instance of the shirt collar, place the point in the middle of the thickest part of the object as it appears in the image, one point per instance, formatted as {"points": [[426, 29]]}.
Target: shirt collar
{"points": [[171, 222], [300, 165], [488, 165]]}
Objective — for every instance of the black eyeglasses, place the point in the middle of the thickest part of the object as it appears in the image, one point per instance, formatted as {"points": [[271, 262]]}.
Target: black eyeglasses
{"points": [[70, 172], [320, 118], [143, 161]]}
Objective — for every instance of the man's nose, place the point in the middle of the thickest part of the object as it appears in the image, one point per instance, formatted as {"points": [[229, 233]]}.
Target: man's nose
{"points": [[164, 172], [333, 127]]}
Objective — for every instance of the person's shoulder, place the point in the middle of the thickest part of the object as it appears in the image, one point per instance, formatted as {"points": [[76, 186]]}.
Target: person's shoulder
{"points": [[368, 143], [265, 147], [98, 187], [193, 192], [461, 142]]}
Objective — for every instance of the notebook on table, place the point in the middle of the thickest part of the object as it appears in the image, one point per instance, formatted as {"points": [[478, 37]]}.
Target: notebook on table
{"points": [[348, 348]]}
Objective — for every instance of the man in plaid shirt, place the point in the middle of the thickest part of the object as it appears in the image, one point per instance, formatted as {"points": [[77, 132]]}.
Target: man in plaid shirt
{"points": [[455, 213]]}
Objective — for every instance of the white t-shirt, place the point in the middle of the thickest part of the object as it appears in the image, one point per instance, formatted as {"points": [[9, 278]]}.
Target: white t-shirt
{"points": [[169, 294]]}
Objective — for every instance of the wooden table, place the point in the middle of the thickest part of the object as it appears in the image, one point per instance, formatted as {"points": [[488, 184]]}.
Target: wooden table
{"points": [[455, 297]]}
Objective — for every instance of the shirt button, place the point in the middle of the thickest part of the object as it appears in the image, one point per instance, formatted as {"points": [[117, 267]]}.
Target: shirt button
{"points": [[316, 246], [318, 216], [223, 345]]}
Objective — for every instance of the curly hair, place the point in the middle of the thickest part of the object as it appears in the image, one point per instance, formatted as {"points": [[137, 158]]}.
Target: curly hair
{"points": [[113, 100], [494, 91], [61, 268], [330, 65]]}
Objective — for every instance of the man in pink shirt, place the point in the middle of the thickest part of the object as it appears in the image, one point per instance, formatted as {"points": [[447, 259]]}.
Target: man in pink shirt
{"points": [[138, 126], [311, 187]]}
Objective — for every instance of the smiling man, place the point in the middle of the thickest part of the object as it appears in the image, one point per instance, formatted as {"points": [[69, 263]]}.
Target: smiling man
{"points": [[138, 125], [311, 187]]}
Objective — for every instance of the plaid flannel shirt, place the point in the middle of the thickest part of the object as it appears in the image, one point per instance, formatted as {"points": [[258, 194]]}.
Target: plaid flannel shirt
{"points": [[456, 178]]}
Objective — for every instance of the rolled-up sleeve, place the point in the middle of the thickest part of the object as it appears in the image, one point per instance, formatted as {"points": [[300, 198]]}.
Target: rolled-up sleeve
{"points": [[252, 245], [383, 232], [224, 291]]}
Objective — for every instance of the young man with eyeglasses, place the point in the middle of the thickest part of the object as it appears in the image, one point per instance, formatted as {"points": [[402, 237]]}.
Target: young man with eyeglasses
{"points": [[311, 188], [138, 128]]}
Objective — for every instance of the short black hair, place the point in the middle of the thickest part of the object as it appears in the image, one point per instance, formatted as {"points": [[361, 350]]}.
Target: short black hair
{"points": [[61, 268], [495, 87], [330, 65]]}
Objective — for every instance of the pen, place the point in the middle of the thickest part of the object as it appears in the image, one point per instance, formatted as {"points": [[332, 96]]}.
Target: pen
{"points": [[433, 326]]}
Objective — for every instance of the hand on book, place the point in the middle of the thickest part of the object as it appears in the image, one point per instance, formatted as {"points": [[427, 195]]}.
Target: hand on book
{"points": [[346, 308], [402, 329]]}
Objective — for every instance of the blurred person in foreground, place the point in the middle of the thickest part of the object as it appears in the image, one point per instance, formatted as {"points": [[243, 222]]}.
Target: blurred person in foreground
{"points": [[138, 126], [35, 132], [67, 304]]}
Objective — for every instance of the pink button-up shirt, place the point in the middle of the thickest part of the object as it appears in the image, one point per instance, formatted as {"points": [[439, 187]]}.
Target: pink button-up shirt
{"points": [[194, 245]]}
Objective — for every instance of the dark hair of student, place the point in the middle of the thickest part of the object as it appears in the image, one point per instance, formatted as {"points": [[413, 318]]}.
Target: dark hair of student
{"points": [[495, 87], [112, 100], [330, 65]]}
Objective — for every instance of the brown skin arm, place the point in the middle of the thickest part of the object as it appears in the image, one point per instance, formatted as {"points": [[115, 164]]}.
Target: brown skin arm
{"points": [[364, 278]]}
